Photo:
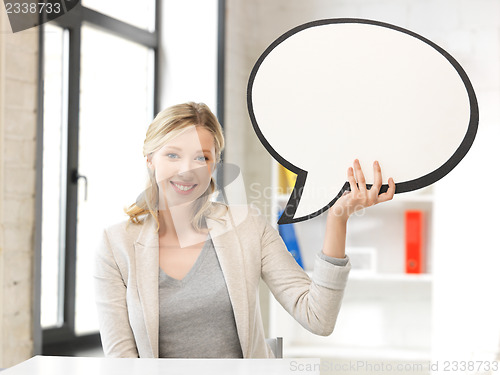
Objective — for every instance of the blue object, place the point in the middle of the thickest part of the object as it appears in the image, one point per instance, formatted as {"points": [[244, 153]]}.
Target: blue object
{"points": [[287, 233]]}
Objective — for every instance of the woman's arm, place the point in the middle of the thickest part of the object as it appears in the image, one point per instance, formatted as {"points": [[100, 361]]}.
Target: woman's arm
{"points": [[315, 303], [110, 294], [357, 199]]}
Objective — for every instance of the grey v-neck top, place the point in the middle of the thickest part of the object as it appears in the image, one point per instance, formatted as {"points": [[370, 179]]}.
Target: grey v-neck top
{"points": [[196, 315]]}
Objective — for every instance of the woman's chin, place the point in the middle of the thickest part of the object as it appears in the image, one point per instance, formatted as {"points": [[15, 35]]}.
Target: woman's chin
{"points": [[177, 200]]}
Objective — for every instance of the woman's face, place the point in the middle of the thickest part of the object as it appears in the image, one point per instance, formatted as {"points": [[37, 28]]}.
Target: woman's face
{"points": [[184, 166]]}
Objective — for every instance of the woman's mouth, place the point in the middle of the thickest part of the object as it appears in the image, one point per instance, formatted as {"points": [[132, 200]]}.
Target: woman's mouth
{"points": [[183, 188]]}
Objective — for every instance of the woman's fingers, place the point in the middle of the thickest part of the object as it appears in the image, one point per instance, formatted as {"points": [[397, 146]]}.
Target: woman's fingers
{"points": [[357, 182], [377, 178], [351, 179], [389, 194], [360, 177], [363, 197]]}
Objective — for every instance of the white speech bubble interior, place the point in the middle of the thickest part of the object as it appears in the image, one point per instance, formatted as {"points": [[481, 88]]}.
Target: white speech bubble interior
{"points": [[334, 92]]}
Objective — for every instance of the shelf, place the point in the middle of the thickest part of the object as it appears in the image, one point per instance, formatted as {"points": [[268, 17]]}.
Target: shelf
{"points": [[383, 277], [386, 313], [393, 277], [378, 354], [409, 197]]}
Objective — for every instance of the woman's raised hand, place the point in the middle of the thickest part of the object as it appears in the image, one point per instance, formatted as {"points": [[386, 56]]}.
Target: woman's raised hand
{"points": [[360, 197]]}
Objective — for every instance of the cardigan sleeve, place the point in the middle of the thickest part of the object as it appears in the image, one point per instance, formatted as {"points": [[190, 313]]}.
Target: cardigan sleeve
{"points": [[337, 261], [110, 295], [314, 303]]}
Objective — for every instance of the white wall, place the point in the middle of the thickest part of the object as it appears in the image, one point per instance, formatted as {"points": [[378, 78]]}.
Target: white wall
{"points": [[465, 245], [466, 252], [188, 56], [18, 113]]}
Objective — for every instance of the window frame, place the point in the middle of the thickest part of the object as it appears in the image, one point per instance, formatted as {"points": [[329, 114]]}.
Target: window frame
{"points": [[49, 341], [45, 339]]}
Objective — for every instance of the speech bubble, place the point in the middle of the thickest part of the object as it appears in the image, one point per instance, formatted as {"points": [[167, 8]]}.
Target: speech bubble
{"points": [[331, 91]]}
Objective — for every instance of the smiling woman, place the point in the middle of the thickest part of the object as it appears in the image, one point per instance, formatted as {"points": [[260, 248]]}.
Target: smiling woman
{"points": [[180, 278], [175, 141], [185, 164]]}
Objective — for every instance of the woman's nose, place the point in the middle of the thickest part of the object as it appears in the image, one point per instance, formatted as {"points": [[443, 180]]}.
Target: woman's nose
{"points": [[186, 167]]}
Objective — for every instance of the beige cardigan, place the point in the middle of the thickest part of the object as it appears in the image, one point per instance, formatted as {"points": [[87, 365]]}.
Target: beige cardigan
{"points": [[248, 248]]}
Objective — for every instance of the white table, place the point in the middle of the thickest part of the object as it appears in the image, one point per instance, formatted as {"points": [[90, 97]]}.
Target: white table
{"points": [[146, 366]]}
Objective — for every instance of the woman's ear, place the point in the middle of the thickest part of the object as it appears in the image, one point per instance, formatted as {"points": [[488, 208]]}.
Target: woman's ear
{"points": [[149, 163]]}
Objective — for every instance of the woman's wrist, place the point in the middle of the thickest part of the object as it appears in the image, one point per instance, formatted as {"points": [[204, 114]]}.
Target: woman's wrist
{"points": [[335, 235], [337, 217]]}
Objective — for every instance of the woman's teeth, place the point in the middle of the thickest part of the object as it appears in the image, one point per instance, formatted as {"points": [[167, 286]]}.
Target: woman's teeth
{"points": [[184, 187]]}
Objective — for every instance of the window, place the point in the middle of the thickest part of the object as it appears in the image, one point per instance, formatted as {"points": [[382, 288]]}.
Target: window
{"points": [[115, 109], [140, 14], [99, 95], [54, 181]]}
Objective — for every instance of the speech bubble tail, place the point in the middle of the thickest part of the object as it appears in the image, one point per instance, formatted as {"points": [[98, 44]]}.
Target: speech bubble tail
{"points": [[293, 202], [288, 215]]}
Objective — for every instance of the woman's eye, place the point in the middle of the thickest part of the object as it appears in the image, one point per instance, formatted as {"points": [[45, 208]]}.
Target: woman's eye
{"points": [[202, 158], [172, 156]]}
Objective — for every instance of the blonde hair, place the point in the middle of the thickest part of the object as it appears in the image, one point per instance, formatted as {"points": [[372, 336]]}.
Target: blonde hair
{"points": [[167, 124]]}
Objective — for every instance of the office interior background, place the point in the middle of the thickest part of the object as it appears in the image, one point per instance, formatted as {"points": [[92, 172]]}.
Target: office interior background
{"points": [[71, 159]]}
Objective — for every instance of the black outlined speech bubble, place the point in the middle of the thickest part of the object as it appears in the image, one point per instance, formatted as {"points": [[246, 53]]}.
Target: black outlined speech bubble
{"points": [[25, 14], [330, 91]]}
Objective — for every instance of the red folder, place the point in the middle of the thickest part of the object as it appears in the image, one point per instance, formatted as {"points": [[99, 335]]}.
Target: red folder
{"points": [[414, 241]]}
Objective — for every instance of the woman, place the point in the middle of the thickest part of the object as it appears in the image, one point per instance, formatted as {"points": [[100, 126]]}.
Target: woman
{"points": [[181, 277]]}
